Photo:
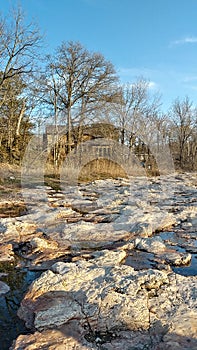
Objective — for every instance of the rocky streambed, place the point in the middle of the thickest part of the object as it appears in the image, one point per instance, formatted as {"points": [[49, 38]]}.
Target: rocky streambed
{"points": [[106, 265]]}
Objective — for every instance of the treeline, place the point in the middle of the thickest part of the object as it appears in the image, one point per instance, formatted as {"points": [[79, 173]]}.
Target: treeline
{"points": [[77, 88]]}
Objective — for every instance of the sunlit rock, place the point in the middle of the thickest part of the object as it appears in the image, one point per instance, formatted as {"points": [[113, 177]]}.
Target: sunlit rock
{"points": [[152, 245], [6, 253]]}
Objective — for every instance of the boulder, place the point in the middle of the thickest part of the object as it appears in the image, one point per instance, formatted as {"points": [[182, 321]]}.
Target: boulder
{"points": [[110, 305], [101, 293]]}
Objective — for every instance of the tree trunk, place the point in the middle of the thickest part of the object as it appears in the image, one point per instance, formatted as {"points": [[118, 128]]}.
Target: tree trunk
{"points": [[69, 139]]}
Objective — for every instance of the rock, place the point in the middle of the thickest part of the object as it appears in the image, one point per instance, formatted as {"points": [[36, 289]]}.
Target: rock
{"points": [[187, 328], [85, 207], [143, 222], [26, 228], [107, 296], [105, 211], [4, 288], [53, 339], [177, 258], [8, 231], [6, 253], [86, 234], [156, 246], [13, 230], [40, 244], [108, 258], [152, 245], [66, 213], [12, 208], [107, 304], [194, 221], [182, 333], [61, 340], [143, 229]]}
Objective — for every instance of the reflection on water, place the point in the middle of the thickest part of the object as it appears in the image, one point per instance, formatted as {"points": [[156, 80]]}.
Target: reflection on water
{"points": [[10, 325]]}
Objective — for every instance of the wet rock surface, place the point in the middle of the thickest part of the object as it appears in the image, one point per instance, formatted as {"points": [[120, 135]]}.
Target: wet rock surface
{"points": [[15, 282], [114, 253], [4, 288]]}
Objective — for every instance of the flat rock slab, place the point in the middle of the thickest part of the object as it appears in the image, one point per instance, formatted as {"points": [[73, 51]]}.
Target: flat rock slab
{"points": [[102, 303], [157, 246], [51, 339], [59, 339], [108, 296], [100, 213], [103, 296]]}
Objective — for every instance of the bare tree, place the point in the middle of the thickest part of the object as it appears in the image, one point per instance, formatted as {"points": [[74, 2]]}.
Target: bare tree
{"points": [[184, 121], [19, 45], [13, 119], [86, 81], [134, 106], [18, 54]]}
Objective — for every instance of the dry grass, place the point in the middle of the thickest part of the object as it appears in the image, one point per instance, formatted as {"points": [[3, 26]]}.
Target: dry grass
{"points": [[101, 169], [9, 170]]}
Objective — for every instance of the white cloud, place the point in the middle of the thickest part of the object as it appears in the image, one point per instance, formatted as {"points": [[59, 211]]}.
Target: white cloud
{"points": [[190, 82], [152, 85], [191, 78], [193, 87], [186, 40], [133, 74]]}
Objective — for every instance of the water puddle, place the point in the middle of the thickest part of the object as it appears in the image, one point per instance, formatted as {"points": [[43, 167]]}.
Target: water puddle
{"points": [[190, 270], [174, 241], [141, 260], [18, 280]]}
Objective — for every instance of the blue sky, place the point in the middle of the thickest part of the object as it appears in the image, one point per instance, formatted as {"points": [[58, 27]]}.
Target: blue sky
{"points": [[156, 39]]}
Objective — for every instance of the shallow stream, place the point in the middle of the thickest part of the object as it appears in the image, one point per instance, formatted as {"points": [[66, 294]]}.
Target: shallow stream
{"points": [[18, 280]]}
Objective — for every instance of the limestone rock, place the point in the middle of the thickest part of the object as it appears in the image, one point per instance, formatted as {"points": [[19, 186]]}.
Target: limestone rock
{"points": [[4, 288], [177, 258], [38, 243], [182, 333], [111, 305], [6, 253], [86, 234], [107, 296], [152, 245], [53, 339], [8, 231], [13, 230]]}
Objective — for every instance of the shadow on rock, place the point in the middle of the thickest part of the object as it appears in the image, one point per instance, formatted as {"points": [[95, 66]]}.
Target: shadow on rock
{"points": [[101, 304]]}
